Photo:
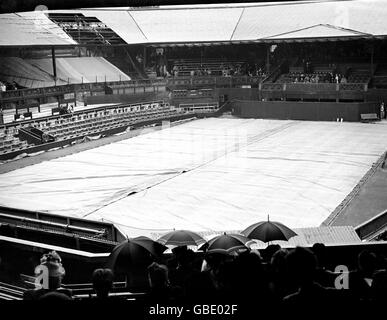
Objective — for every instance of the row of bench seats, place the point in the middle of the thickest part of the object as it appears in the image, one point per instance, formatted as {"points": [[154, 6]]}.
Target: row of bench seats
{"points": [[9, 142], [94, 123], [88, 123], [216, 66]]}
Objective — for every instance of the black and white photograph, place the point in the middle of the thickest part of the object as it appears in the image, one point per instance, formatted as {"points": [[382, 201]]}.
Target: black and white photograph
{"points": [[193, 160]]}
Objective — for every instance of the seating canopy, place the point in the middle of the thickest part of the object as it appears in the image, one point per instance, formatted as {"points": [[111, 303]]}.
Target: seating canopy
{"points": [[222, 23]]}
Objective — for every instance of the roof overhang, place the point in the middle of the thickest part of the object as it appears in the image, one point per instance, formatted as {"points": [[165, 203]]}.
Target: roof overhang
{"points": [[203, 25]]}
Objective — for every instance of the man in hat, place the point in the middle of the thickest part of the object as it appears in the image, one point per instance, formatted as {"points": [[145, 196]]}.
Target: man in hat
{"points": [[49, 275]]}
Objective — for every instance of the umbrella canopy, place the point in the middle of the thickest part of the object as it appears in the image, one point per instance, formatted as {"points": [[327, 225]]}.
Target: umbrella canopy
{"points": [[269, 231], [181, 238], [134, 252], [227, 243]]}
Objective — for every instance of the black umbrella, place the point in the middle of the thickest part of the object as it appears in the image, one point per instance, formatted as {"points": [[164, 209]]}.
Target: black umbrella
{"points": [[267, 231], [138, 251], [226, 243], [181, 238]]}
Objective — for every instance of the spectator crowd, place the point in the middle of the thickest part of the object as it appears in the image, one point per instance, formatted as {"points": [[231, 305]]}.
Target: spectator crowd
{"points": [[327, 77], [296, 276]]}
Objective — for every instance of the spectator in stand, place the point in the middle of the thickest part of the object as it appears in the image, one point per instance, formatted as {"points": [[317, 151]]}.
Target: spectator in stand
{"points": [[382, 111], [139, 58], [183, 269], [160, 63], [54, 296], [175, 71], [360, 280], [160, 288], [212, 264], [302, 264], [3, 87], [249, 277], [51, 267], [199, 287], [279, 285], [343, 80], [323, 276], [379, 286], [269, 251], [102, 283], [337, 78]]}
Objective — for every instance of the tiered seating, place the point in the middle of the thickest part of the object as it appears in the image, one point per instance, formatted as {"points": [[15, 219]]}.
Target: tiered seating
{"points": [[81, 69], [379, 79], [359, 73], [90, 122], [325, 68], [216, 66], [8, 141], [25, 74], [9, 115], [93, 122]]}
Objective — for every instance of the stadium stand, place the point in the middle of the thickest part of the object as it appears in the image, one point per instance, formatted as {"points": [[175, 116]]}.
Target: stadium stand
{"points": [[214, 67], [87, 122], [9, 142], [379, 79], [359, 73], [301, 77], [25, 74], [185, 267], [81, 70], [96, 121]]}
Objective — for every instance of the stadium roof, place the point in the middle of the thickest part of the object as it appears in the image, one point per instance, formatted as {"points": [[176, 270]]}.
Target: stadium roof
{"points": [[221, 23]]}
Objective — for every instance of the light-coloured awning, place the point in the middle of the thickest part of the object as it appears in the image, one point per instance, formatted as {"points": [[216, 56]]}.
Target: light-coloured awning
{"points": [[31, 29], [212, 23]]}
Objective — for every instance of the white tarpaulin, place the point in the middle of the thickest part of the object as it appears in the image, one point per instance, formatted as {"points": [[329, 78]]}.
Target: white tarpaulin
{"points": [[210, 174]]}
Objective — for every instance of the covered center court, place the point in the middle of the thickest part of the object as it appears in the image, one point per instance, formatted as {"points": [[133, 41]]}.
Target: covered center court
{"points": [[205, 175]]}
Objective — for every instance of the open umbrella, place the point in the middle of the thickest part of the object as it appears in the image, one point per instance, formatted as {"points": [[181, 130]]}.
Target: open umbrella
{"points": [[134, 252], [181, 238], [267, 231], [226, 243]]}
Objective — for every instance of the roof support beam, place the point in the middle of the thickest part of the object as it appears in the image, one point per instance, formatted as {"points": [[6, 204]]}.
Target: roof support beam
{"points": [[53, 62]]}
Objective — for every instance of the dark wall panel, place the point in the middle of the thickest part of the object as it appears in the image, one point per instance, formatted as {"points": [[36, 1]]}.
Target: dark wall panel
{"points": [[239, 93], [315, 111]]}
